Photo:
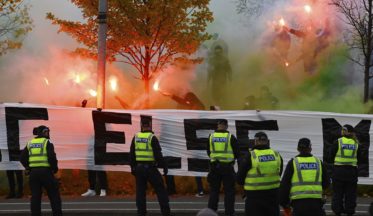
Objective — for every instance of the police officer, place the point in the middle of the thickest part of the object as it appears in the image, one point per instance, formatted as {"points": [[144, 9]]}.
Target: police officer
{"points": [[223, 150], [39, 159], [345, 152], [303, 183], [145, 156], [260, 173]]}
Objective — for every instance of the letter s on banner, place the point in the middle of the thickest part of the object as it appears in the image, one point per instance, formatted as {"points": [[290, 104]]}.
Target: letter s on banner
{"points": [[194, 143]]}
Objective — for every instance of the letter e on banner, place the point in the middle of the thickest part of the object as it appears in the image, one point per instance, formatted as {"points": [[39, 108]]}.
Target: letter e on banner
{"points": [[103, 137]]}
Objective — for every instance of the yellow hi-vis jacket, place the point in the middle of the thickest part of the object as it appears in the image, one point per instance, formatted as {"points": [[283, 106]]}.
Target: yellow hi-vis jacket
{"points": [[38, 155], [265, 171], [143, 146], [347, 152], [221, 148], [307, 178]]}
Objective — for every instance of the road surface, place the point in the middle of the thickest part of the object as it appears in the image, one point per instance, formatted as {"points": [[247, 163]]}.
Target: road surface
{"points": [[92, 206]]}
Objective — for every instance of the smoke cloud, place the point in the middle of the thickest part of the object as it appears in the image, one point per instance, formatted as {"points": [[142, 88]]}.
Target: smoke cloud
{"points": [[43, 71]]}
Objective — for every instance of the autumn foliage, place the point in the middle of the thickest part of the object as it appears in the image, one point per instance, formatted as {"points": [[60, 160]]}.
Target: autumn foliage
{"points": [[15, 23], [147, 34]]}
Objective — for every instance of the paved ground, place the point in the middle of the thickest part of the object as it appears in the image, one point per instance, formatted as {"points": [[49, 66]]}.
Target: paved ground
{"points": [[126, 206]]}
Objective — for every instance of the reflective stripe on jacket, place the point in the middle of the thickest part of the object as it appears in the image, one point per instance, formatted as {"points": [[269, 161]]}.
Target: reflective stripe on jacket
{"points": [[347, 152], [265, 171], [38, 155], [221, 148], [143, 146], [307, 178]]}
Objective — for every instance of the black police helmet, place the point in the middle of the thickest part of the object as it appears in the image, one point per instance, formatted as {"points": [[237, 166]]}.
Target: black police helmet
{"points": [[304, 143], [40, 130], [348, 128], [261, 136], [223, 122]]}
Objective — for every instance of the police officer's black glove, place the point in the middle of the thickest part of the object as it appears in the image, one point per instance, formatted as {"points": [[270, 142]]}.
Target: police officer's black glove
{"points": [[243, 196], [165, 171]]}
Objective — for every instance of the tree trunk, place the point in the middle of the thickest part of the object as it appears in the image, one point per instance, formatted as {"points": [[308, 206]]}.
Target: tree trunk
{"points": [[368, 52], [147, 93], [146, 77], [366, 83]]}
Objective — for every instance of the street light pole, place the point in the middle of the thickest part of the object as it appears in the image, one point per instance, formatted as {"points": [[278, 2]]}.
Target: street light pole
{"points": [[101, 63]]}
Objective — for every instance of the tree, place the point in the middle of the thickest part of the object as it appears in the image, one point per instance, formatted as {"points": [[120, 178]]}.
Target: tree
{"points": [[253, 8], [147, 34], [358, 17], [15, 23]]}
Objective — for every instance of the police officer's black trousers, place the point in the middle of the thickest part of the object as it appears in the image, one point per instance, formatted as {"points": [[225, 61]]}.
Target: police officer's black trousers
{"points": [[43, 178], [308, 207], [170, 182], [149, 173], [262, 203], [12, 184], [222, 173], [344, 197], [199, 184], [92, 179]]}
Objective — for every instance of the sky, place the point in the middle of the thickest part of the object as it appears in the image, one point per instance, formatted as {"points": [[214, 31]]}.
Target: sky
{"points": [[45, 33]]}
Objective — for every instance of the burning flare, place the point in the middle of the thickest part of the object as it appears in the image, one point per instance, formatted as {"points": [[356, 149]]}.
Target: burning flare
{"points": [[113, 84], [287, 64], [307, 8], [281, 22], [77, 79], [156, 86], [46, 81], [93, 93]]}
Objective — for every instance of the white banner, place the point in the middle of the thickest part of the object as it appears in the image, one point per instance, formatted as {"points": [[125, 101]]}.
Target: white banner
{"points": [[85, 138]]}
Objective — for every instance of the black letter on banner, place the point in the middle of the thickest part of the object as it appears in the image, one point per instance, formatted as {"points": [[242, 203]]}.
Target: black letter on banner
{"points": [[13, 115], [172, 162], [332, 131], [244, 126], [102, 137], [194, 143]]}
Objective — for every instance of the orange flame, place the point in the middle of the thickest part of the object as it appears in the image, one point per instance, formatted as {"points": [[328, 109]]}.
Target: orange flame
{"points": [[46, 81], [93, 93], [287, 64], [156, 86], [281, 22], [77, 79], [307, 8], [113, 84]]}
